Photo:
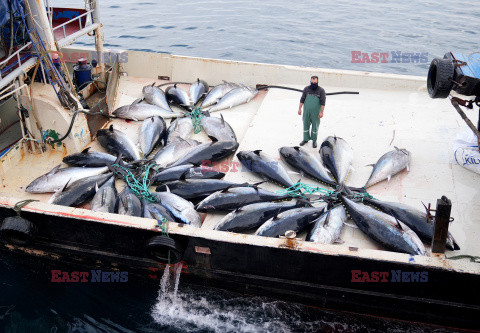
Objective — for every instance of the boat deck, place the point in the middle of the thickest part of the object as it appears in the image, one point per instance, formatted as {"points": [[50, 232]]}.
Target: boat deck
{"points": [[372, 122]]}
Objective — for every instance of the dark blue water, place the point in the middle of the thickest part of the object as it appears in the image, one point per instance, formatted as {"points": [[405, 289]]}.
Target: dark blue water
{"points": [[303, 33], [306, 33], [29, 302]]}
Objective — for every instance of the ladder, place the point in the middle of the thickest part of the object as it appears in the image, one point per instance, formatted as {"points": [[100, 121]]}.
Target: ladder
{"points": [[49, 71]]}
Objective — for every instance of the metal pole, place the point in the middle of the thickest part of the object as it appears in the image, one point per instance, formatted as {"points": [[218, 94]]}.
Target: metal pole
{"points": [[467, 120], [98, 39], [442, 219]]}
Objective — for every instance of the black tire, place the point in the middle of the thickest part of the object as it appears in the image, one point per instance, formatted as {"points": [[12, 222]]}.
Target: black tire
{"points": [[17, 230], [160, 246], [439, 78]]}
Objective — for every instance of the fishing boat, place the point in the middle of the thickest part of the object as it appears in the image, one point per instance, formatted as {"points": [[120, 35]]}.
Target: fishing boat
{"points": [[355, 276]]}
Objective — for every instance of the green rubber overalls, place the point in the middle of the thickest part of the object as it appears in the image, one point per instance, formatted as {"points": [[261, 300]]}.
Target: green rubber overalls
{"points": [[311, 109]]}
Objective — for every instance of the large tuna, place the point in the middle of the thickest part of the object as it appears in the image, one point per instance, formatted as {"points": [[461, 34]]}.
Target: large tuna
{"points": [[384, 229], [57, 178], [79, 191], [106, 197], [218, 128], [234, 197], [156, 96], [210, 152], [297, 219], [337, 155], [187, 171], [154, 210], [129, 204], [181, 209], [197, 90], [265, 166], [308, 165], [139, 111], [328, 227], [217, 93], [252, 216], [415, 219], [118, 143], [151, 133], [181, 128], [171, 153], [389, 165], [178, 96], [87, 158], [197, 188], [235, 97]]}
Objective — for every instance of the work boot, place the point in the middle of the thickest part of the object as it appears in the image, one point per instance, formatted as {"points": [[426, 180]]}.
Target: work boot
{"points": [[314, 145], [303, 142]]}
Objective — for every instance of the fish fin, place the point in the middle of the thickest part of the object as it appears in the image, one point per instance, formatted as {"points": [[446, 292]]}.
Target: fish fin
{"points": [[339, 241], [96, 187], [111, 128], [214, 139], [327, 219], [295, 172], [85, 151], [183, 177], [297, 148], [372, 165], [66, 185], [389, 177], [167, 188], [172, 120], [54, 170], [223, 120], [138, 100], [408, 168], [398, 224], [257, 152], [206, 113], [153, 84], [225, 190], [396, 148]]}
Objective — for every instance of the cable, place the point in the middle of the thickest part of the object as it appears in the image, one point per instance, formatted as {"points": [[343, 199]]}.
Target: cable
{"points": [[73, 120], [300, 90]]}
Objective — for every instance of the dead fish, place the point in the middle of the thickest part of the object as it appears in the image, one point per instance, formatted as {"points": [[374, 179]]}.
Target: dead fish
{"points": [[178, 96], [389, 165], [118, 143], [153, 130], [235, 97], [87, 158], [181, 128], [129, 204], [155, 96], [218, 128], [337, 155], [105, 198], [171, 153], [197, 90], [328, 227], [217, 93], [140, 111]]}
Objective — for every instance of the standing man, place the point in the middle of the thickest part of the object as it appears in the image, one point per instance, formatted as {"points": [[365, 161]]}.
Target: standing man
{"points": [[313, 102]]}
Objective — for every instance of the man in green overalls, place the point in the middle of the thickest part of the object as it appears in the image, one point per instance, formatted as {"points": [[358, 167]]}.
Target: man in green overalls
{"points": [[313, 103]]}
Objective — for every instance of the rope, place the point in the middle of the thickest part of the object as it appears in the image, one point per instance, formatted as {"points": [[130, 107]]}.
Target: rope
{"points": [[139, 186], [295, 191], [19, 205], [164, 227], [196, 116], [362, 196], [465, 256]]}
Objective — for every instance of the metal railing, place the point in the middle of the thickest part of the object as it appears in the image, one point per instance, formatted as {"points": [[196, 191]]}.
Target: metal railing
{"points": [[63, 25], [17, 55]]}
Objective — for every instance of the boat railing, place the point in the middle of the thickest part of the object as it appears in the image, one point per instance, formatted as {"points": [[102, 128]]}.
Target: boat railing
{"points": [[16, 54], [78, 18]]}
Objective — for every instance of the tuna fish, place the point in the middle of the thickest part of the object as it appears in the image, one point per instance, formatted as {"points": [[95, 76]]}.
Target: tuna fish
{"points": [[155, 96], [337, 155], [384, 229], [234, 197], [197, 188], [413, 218], [178, 96], [181, 209], [105, 200], [389, 165], [139, 111], [305, 162], [151, 133], [187, 171], [197, 90], [129, 204], [328, 227], [88, 158], [153, 210], [265, 166], [210, 151], [79, 191], [253, 216], [57, 178], [217, 93], [181, 128], [218, 128], [297, 219], [118, 143], [171, 153], [235, 97]]}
